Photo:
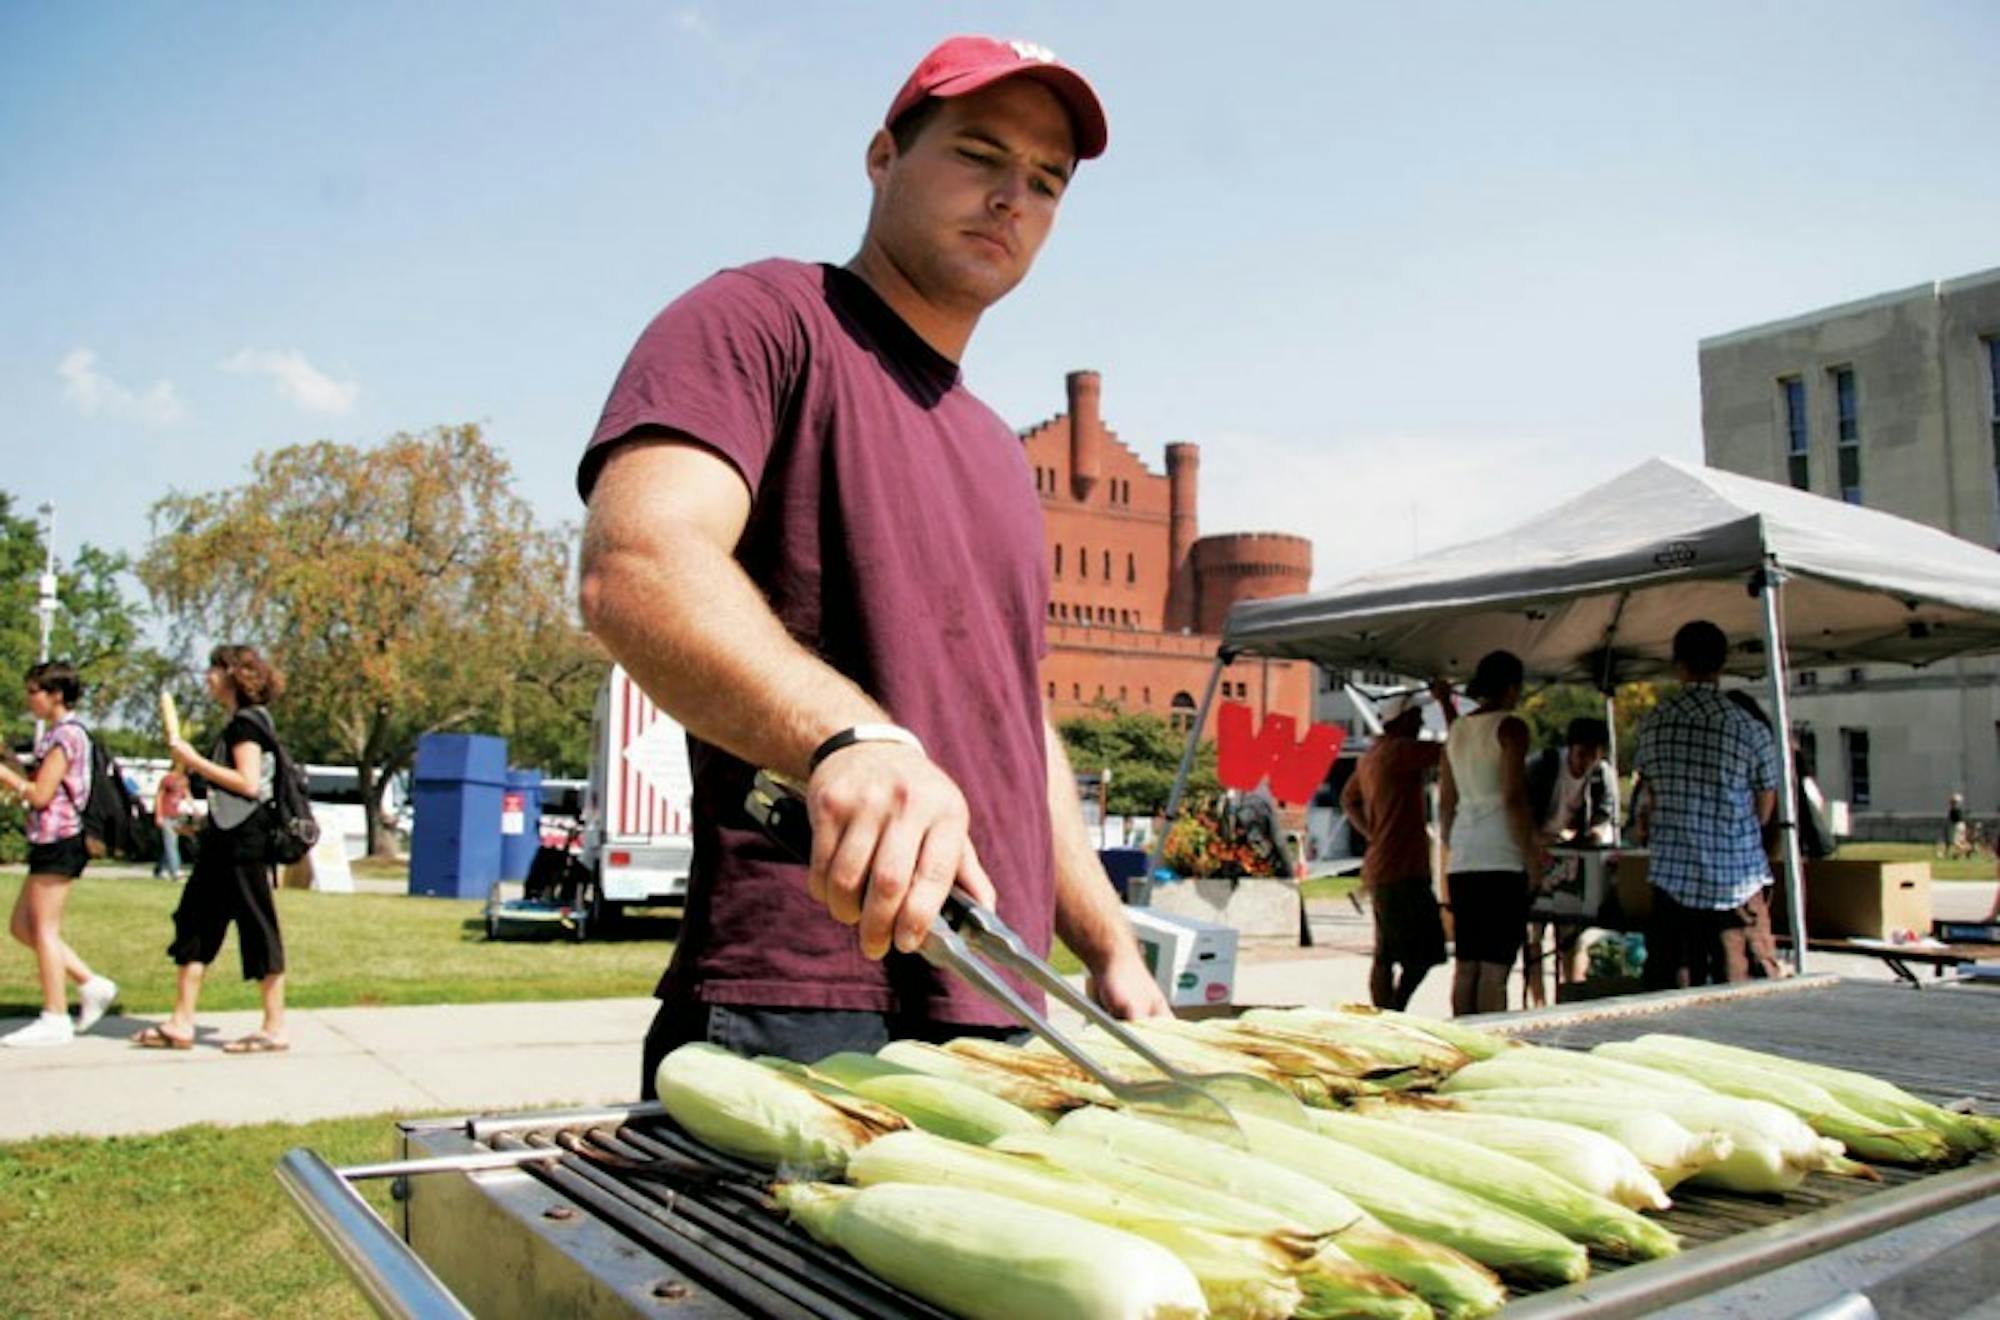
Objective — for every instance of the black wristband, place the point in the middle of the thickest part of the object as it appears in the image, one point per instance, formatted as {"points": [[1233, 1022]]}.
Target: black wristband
{"points": [[861, 733]]}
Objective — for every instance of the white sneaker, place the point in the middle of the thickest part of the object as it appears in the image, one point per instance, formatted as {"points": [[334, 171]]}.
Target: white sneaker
{"points": [[48, 1029], [93, 1001]]}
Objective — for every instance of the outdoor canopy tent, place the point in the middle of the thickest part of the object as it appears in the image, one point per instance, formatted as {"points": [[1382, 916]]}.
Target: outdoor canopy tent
{"points": [[1593, 590]]}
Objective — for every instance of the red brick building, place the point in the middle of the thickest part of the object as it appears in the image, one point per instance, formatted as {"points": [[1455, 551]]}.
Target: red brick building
{"points": [[1138, 596]]}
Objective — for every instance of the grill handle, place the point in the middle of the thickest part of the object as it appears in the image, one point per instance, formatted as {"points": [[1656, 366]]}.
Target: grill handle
{"points": [[383, 1267]]}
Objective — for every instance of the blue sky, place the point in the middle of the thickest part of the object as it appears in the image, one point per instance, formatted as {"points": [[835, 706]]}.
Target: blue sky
{"points": [[1406, 272]]}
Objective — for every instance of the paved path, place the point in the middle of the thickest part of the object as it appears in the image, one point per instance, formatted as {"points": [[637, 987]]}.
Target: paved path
{"points": [[509, 1057]]}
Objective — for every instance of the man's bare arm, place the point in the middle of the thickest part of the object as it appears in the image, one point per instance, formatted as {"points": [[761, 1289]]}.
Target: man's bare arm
{"points": [[1089, 918], [662, 589]]}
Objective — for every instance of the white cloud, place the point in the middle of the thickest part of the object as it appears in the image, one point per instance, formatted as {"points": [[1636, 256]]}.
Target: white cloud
{"points": [[98, 395], [296, 379]]}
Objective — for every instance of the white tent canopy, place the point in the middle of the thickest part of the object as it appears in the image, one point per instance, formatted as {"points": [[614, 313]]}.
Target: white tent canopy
{"points": [[1594, 590], [1605, 579]]}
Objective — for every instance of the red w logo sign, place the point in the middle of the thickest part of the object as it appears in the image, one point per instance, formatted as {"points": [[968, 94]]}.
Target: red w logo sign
{"points": [[1246, 756]]}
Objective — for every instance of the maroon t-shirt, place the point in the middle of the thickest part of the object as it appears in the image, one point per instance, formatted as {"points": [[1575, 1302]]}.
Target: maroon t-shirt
{"points": [[895, 530]]}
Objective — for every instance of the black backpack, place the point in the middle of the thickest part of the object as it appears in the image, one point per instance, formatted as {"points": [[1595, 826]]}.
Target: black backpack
{"points": [[294, 832], [115, 823]]}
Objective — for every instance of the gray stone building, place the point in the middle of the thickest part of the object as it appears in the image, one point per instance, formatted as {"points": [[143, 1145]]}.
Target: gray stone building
{"points": [[1892, 402]]}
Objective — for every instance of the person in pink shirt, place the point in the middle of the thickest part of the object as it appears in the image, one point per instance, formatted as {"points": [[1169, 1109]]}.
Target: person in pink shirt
{"points": [[54, 795]]}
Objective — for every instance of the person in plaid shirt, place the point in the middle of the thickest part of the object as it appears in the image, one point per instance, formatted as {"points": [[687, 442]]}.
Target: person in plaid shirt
{"points": [[1711, 780]]}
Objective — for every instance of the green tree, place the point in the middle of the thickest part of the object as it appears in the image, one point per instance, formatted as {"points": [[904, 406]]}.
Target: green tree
{"points": [[1549, 710], [1142, 752], [404, 589], [96, 628]]}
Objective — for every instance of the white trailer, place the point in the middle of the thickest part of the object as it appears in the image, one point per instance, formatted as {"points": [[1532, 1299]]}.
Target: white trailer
{"points": [[637, 818]]}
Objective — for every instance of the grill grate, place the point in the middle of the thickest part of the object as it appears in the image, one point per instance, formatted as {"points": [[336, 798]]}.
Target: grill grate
{"points": [[714, 1222]]}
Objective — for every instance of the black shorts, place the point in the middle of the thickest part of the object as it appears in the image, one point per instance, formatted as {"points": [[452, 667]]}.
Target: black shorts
{"points": [[64, 857], [1408, 930], [1489, 914]]}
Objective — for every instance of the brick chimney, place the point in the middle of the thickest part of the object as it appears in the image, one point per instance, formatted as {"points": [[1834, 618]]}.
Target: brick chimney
{"points": [[1086, 434], [1183, 528]]}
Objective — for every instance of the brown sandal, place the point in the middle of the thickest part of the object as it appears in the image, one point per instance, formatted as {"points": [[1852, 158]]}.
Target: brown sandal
{"points": [[159, 1038], [256, 1043]]}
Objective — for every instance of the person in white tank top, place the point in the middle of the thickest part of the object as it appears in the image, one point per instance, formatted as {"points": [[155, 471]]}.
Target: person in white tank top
{"points": [[1491, 844]]}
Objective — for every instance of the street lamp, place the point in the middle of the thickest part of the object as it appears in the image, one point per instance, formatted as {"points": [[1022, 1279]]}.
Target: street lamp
{"points": [[46, 604]]}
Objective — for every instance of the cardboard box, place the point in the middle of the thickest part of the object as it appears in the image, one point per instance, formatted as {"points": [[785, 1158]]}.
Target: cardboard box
{"points": [[1193, 961], [1632, 890], [1869, 900]]}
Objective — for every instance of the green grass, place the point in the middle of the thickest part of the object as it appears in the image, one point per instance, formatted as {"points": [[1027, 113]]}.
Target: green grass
{"points": [[188, 1223], [342, 949], [1329, 886], [1942, 868]]}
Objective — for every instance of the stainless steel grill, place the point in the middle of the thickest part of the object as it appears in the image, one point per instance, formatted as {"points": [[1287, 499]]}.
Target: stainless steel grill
{"points": [[615, 1212]]}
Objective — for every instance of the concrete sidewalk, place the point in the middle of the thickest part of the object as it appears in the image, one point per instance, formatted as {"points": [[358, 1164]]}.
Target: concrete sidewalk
{"points": [[474, 1058]]}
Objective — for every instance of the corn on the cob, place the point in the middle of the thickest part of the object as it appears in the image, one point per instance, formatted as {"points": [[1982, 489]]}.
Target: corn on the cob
{"points": [[1910, 1143], [936, 1104], [1470, 1041], [987, 1257], [1038, 1092], [1242, 1273], [1589, 1160], [1771, 1149], [1527, 1190], [1190, 1053], [1458, 1286], [1391, 1045], [1670, 1151], [1518, 1247], [1879, 1100], [769, 1117]]}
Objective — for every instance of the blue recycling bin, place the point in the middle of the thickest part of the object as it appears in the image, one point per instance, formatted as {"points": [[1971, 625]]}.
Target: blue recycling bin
{"points": [[458, 784], [520, 823], [1123, 865]]}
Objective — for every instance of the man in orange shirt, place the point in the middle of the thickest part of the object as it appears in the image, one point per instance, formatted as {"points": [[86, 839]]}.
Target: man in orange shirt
{"points": [[1385, 801]]}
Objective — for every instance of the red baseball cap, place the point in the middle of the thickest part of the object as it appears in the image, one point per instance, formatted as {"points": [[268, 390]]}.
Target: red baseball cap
{"points": [[965, 64]]}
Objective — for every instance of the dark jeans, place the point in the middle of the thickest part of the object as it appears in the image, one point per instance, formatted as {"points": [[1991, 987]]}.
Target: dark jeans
{"points": [[1696, 946], [803, 1035]]}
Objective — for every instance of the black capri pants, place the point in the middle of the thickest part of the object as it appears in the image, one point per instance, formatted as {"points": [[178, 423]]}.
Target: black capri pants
{"points": [[231, 882]]}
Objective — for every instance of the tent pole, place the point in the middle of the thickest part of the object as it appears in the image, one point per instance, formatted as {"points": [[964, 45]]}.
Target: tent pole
{"points": [[1611, 755], [1222, 659], [1788, 771]]}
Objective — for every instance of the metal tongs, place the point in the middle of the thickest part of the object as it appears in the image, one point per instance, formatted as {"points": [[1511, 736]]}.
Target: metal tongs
{"points": [[971, 940]]}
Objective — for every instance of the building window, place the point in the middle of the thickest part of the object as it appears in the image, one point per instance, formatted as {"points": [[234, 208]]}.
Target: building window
{"points": [[1076, 692], [1083, 561], [1052, 691], [1848, 417], [1146, 695], [1107, 565], [1854, 747], [1121, 694], [1797, 466], [1132, 560], [1807, 678], [1993, 385], [1808, 745], [1058, 559], [1181, 717], [1857, 676]]}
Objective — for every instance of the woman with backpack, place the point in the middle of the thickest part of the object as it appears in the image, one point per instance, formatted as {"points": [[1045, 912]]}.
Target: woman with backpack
{"points": [[56, 856], [232, 877]]}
